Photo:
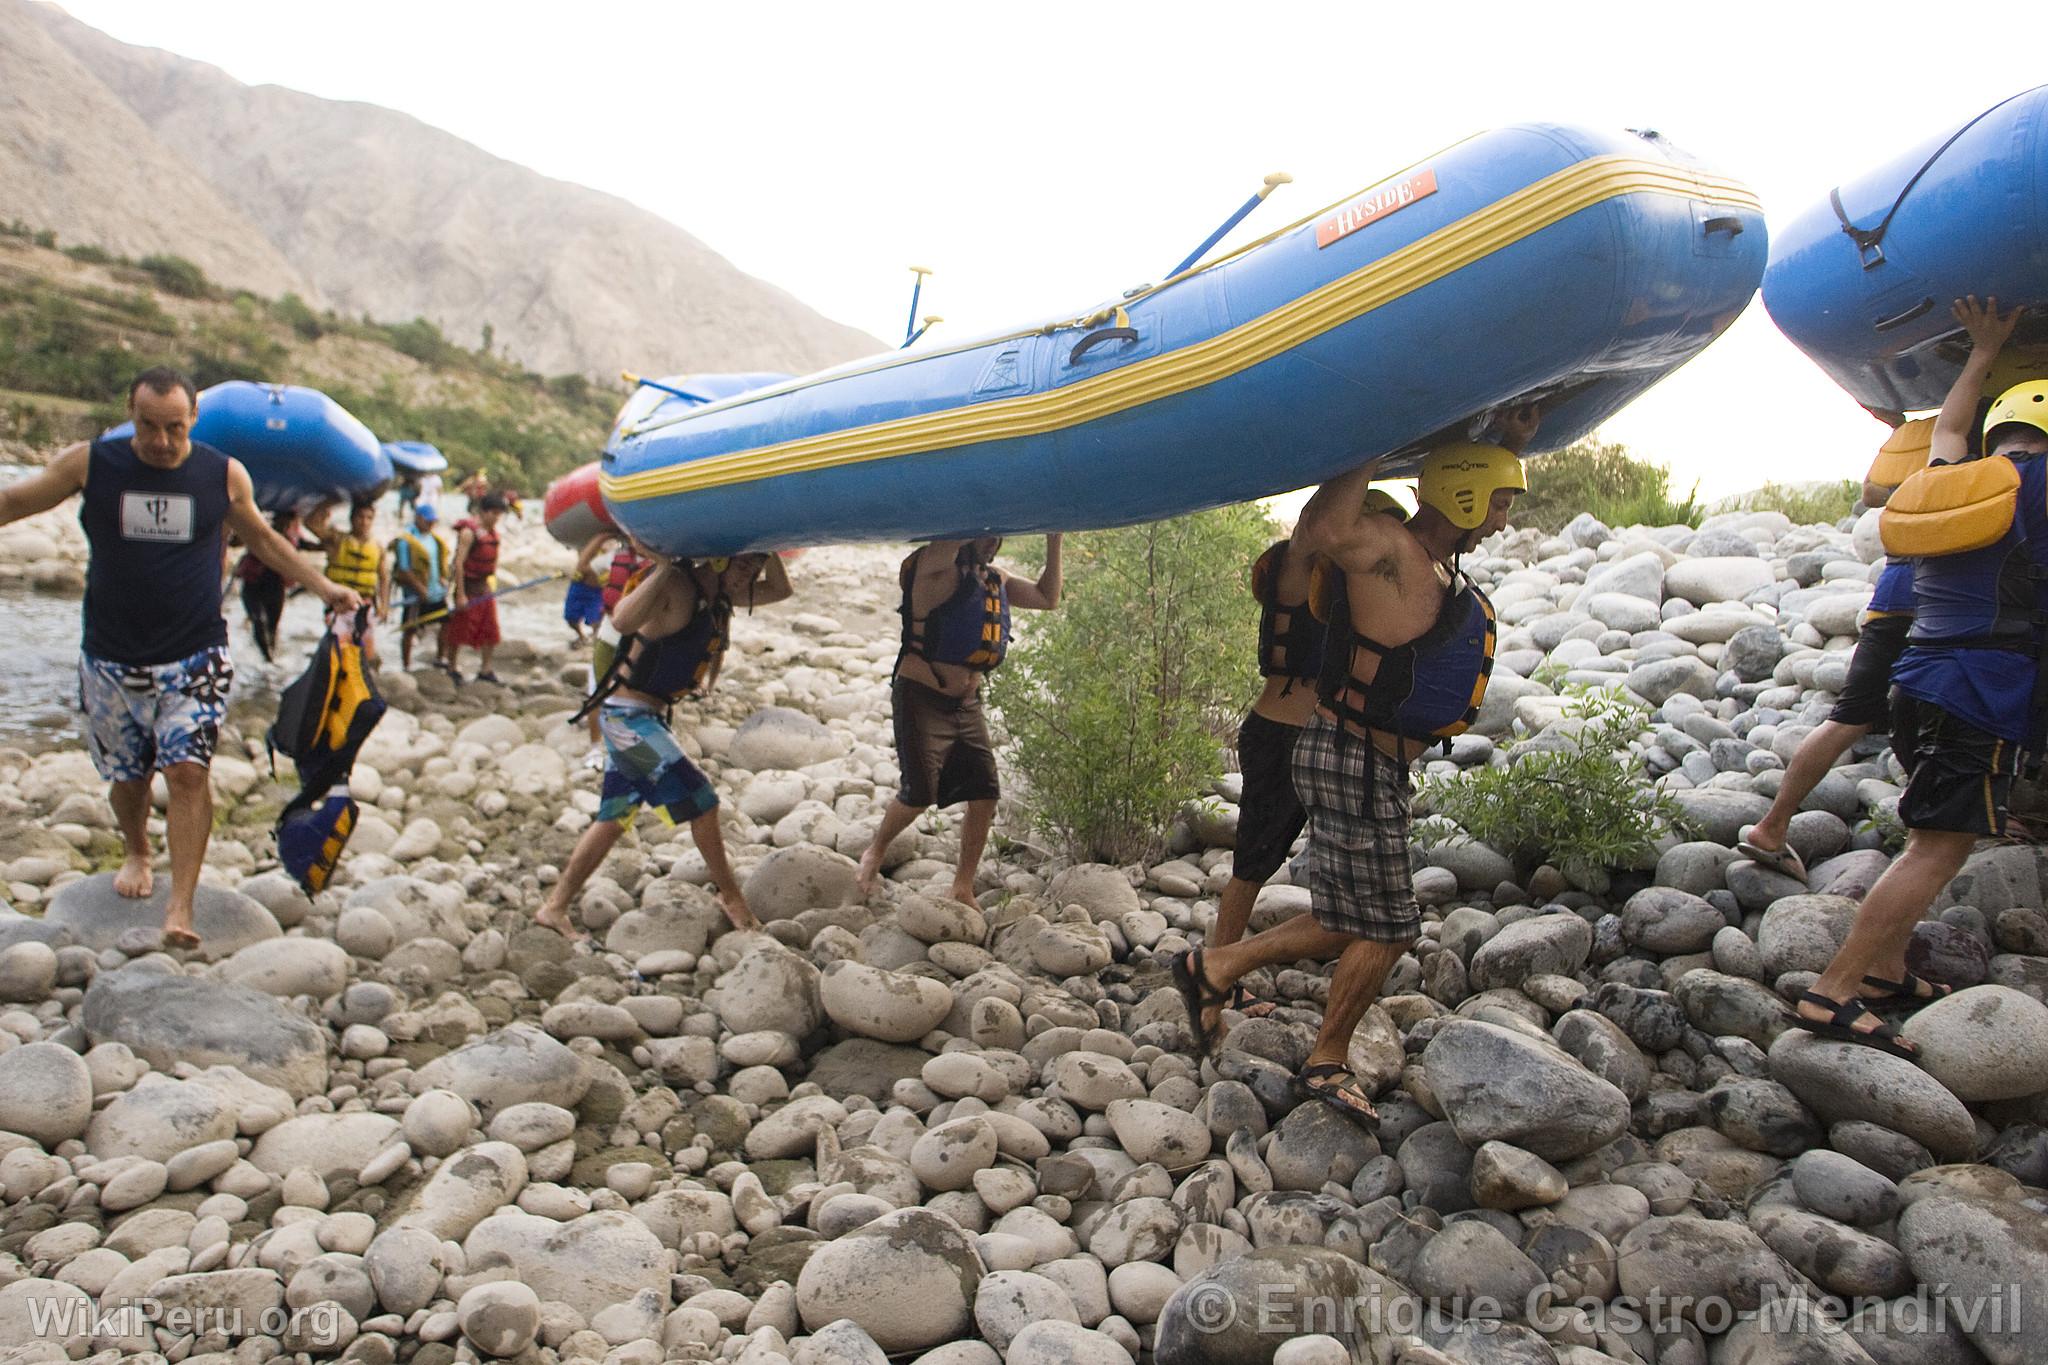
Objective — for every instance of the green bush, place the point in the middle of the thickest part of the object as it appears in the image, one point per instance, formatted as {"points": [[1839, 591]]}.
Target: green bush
{"points": [[1585, 807], [1808, 505], [295, 314], [1119, 703], [423, 341], [88, 254], [176, 275], [1603, 479]]}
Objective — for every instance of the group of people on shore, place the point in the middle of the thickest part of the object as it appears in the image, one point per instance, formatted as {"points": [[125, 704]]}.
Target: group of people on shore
{"points": [[1373, 644]]}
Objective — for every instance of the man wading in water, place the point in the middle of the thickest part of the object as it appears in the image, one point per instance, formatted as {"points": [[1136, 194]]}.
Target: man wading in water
{"points": [[154, 672], [956, 628]]}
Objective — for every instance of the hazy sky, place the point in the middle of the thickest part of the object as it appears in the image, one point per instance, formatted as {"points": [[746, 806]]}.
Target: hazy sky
{"points": [[1042, 158]]}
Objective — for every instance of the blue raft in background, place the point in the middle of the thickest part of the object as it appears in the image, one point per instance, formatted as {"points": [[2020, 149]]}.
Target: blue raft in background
{"points": [[415, 457], [1533, 262], [299, 446], [1862, 282]]}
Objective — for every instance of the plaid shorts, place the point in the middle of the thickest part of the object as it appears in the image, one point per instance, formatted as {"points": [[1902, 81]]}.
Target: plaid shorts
{"points": [[1357, 799], [645, 766], [143, 717]]}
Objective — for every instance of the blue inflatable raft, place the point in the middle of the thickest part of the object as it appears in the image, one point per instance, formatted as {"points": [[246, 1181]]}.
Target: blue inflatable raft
{"points": [[415, 457], [1862, 282], [1532, 262], [299, 446]]}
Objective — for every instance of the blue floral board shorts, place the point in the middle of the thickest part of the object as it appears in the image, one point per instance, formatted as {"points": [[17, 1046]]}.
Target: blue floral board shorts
{"points": [[143, 717], [645, 766]]}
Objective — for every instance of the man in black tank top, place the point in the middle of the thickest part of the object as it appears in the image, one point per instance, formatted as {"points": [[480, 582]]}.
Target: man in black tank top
{"points": [[153, 671]]}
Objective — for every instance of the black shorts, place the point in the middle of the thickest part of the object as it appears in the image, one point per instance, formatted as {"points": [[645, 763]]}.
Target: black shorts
{"points": [[1962, 776], [1269, 814], [1866, 696], [942, 746], [409, 613]]}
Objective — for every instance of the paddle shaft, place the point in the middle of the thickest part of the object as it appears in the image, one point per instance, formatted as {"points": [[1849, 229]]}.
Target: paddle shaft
{"points": [[433, 616]]}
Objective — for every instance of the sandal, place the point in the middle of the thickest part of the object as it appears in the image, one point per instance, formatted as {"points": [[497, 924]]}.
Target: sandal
{"points": [[1334, 1085], [1249, 1005], [1785, 861], [1906, 992], [1198, 996], [488, 677], [1836, 1027]]}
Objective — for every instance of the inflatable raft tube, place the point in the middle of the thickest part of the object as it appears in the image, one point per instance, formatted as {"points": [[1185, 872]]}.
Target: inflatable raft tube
{"points": [[1965, 212], [1530, 262], [299, 446], [573, 509], [415, 457]]}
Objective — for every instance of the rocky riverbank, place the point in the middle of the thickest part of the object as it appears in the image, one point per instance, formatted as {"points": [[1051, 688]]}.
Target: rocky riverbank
{"points": [[396, 1122]]}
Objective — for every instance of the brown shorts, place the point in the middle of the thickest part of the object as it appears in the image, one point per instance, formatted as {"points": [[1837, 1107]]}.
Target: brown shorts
{"points": [[942, 746]]}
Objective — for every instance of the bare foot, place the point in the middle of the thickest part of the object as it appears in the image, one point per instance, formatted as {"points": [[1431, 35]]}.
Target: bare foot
{"points": [[178, 928], [870, 875], [557, 919], [965, 896], [135, 879], [737, 911]]}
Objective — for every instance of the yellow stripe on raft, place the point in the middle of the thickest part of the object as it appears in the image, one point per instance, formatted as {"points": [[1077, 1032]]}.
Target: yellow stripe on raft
{"points": [[1500, 224]]}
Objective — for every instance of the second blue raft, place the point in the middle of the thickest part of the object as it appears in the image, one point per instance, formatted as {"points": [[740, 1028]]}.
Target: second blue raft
{"points": [[1534, 261]]}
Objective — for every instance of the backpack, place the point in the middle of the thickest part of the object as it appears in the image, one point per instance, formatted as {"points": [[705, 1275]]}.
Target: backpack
{"points": [[323, 719]]}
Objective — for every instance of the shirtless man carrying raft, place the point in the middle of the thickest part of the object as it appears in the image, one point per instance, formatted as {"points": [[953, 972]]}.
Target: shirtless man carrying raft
{"points": [[1409, 652], [956, 628], [674, 627]]}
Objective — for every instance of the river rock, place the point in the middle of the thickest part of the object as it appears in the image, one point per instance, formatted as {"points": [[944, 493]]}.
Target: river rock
{"points": [[97, 915], [288, 967], [769, 989], [1239, 1311], [45, 1093], [329, 1145], [1103, 891], [1716, 578], [1498, 1085], [499, 1317], [778, 738], [1051, 1342], [908, 1278], [1542, 945], [892, 1006], [1007, 1301], [1985, 1254], [1846, 1081], [1802, 933], [1686, 1255], [1984, 1043], [168, 1019], [514, 1065], [801, 877], [1150, 1131], [589, 1263], [467, 1188], [1665, 920]]}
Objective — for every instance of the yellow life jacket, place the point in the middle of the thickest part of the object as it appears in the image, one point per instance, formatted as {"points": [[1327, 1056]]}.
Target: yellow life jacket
{"points": [[1949, 509], [1903, 454], [353, 563]]}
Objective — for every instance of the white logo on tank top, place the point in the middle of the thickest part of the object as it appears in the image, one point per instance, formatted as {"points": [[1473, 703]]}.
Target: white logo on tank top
{"points": [[164, 518]]}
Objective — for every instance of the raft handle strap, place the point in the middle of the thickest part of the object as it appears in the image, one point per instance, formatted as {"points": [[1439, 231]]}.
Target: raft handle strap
{"points": [[1920, 309], [1726, 222], [1096, 338], [1870, 241]]}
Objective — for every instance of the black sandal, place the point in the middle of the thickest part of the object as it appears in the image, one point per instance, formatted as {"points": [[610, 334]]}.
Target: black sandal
{"points": [[1249, 1005], [1198, 996], [1906, 992], [1334, 1085], [1836, 1027]]}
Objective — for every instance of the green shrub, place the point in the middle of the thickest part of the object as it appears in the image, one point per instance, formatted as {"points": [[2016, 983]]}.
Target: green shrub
{"points": [[176, 275], [423, 341], [292, 311], [1821, 504], [1604, 479], [1585, 808], [1118, 704], [88, 254]]}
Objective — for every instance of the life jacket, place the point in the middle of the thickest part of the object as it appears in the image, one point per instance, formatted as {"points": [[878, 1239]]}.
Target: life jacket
{"points": [[482, 560], [674, 666], [626, 570], [433, 550], [970, 629], [1976, 583], [322, 720], [353, 563], [1427, 689], [1291, 640]]}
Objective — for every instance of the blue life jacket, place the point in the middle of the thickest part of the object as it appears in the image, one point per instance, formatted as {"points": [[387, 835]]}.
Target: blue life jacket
{"points": [[970, 629], [1427, 689], [1291, 640]]}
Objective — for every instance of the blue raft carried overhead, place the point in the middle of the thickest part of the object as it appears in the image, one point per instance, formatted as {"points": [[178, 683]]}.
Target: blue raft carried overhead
{"points": [[299, 446], [415, 457], [1529, 262], [1862, 282]]}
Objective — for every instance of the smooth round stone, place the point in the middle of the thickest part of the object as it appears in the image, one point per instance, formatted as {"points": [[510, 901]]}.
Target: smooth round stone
{"points": [[499, 1318]]}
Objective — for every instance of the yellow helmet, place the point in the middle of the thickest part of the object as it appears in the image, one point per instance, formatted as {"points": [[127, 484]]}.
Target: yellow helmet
{"points": [[1380, 500], [1460, 479], [2023, 405], [1903, 453]]}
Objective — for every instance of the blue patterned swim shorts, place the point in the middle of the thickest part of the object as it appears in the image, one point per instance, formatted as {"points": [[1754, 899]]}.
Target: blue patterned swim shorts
{"points": [[143, 717], [645, 766]]}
